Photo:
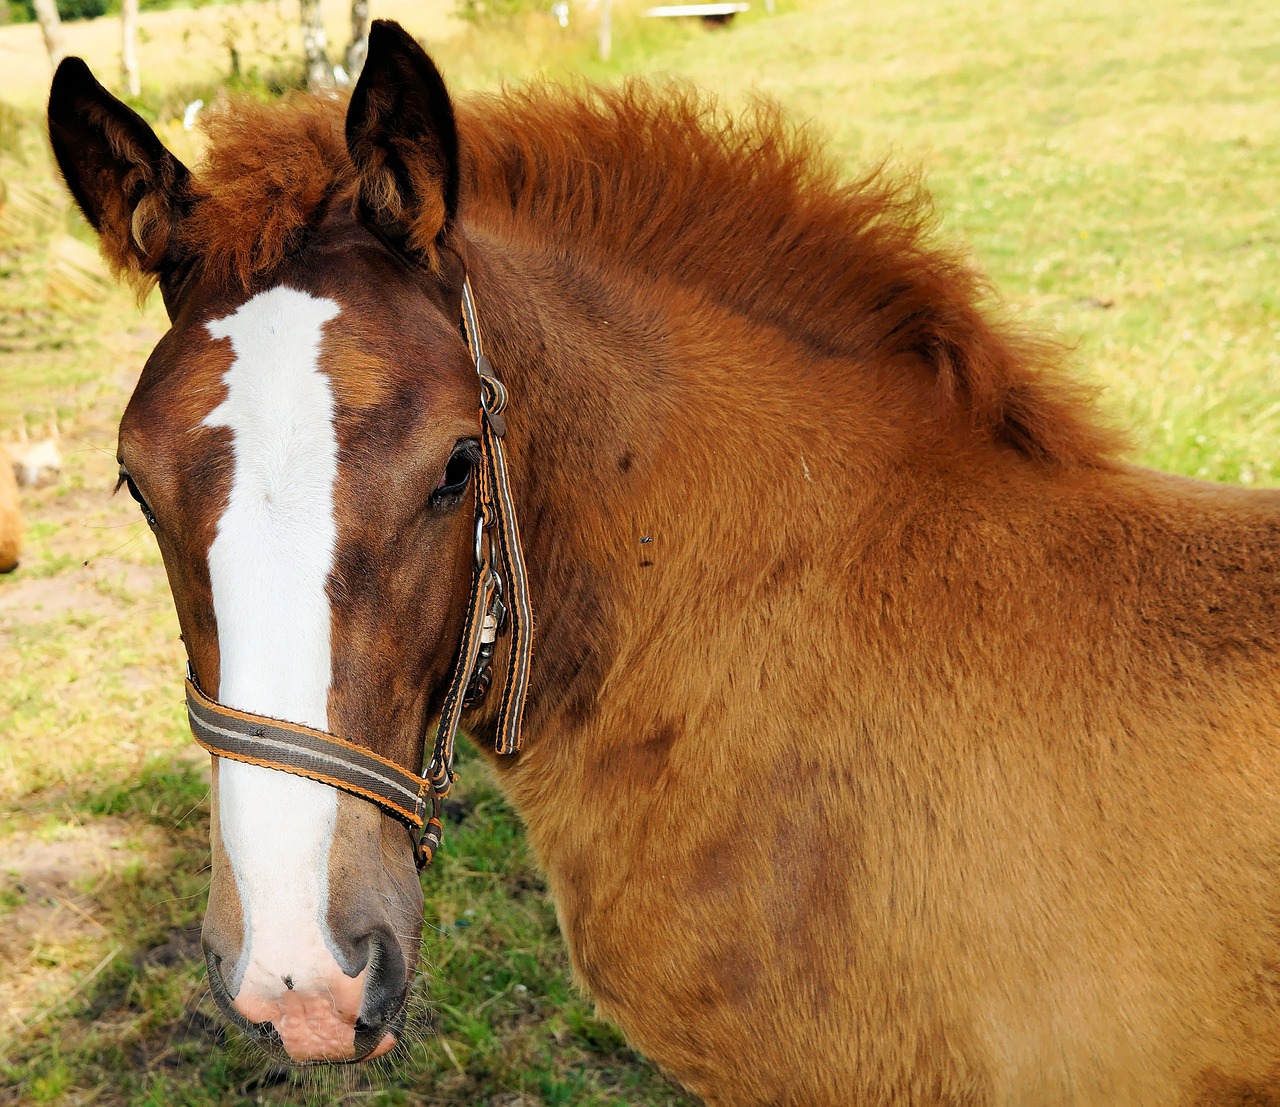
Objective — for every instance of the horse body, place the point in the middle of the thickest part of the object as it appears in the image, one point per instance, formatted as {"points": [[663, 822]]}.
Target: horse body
{"points": [[905, 738], [888, 742]]}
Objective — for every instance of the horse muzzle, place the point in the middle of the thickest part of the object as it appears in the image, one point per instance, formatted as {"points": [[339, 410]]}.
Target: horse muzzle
{"points": [[323, 1015], [311, 931]]}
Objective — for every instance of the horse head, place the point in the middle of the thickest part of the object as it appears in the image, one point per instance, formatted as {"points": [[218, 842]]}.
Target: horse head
{"points": [[304, 442]]}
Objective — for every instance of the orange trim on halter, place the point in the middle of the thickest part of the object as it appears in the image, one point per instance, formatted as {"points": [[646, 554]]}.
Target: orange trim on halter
{"points": [[334, 782], [266, 738], [302, 750], [224, 711]]}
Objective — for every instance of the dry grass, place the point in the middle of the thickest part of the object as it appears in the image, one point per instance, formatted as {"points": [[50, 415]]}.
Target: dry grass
{"points": [[1114, 172], [190, 48]]}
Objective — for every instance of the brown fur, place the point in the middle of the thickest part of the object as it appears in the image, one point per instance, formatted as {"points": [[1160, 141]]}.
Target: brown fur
{"points": [[746, 212], [137, 218], [923, 761], [10, 515], [264, 184], [888, 742]]}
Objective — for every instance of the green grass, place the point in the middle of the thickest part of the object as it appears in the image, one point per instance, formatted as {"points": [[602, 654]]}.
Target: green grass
{"points": [[1114, 173]]}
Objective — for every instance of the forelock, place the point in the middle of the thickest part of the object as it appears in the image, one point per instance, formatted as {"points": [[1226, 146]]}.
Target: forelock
{"points": [[268, 175]]}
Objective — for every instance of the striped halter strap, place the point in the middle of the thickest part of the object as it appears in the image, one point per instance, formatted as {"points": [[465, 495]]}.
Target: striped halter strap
{"points": [[498, 604]]}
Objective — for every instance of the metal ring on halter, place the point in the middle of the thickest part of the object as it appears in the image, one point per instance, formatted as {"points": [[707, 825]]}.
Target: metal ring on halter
{"points": [[424, 849], [489, 383]]}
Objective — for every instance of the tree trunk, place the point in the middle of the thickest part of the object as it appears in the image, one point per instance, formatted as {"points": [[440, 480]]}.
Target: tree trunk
{"points": [[315, 47], [51, 25], [359, 39], [606, 30], [129, 47]]}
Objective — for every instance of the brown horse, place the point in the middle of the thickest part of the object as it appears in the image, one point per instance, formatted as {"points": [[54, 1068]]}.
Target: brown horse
{"points": [[10, 515], [889, 741]]}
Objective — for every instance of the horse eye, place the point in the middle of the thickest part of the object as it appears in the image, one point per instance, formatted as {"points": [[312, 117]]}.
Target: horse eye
{"points": [[127, 481], [457, 474]]}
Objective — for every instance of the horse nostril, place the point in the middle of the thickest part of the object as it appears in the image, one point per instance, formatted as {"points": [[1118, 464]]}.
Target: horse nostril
{"points": [[221, 996], [385, 986], [216, 984]]}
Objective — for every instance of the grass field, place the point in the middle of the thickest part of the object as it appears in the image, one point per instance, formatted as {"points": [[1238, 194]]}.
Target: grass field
{"points": [[1116, 175]]}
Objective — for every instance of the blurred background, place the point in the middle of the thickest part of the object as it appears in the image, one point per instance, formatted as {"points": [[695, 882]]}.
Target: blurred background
{"points": [[1113, 165]]}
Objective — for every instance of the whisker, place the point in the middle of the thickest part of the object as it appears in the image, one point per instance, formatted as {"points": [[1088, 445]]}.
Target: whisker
{"points": [[112, 552], [86, 446]]}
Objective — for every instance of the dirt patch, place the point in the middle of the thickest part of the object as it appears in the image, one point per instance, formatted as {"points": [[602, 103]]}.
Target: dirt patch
{"points": [[106, 586], [48, 899], [32, 600], [87, 553], [179, 947], [53, 879]]}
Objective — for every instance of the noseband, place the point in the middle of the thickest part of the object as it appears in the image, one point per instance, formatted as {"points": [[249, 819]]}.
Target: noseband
{"points": [[498, 604]]}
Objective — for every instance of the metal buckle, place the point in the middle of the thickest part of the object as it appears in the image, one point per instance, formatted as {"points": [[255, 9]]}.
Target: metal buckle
{"points": [[493, 393], [493, 396]]}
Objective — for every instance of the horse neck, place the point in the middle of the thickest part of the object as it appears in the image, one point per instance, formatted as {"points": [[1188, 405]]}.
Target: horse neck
{"points": [[577, 434], [664, 485]]}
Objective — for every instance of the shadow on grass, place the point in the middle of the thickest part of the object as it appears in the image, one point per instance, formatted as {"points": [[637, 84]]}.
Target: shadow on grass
{"points": [[494, 1017]]}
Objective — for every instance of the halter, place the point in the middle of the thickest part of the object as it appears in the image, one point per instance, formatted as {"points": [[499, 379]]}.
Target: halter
{"points": [[499, 572]]}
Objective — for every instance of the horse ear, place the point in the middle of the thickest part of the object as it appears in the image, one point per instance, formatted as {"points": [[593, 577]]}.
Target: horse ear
{"points": [[404, 145], [131, 189]]}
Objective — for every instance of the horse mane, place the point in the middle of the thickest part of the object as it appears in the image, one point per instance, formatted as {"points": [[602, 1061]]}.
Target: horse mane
{"points": [[658, 180]]}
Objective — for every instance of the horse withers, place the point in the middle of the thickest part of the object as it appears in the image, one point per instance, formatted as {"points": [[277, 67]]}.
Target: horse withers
{"points": [[889, 740]]}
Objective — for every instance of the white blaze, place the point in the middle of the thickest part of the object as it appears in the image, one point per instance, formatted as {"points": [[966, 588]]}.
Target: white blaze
{"points": [[269, 566]]}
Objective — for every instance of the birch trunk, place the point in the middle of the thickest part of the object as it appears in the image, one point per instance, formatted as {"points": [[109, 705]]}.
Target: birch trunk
{"points": [[359, 39], [606, 30], [315, 47], [51, 26], [129, 47]]}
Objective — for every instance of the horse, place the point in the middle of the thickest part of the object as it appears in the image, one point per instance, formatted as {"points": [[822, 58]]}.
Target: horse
{"points": [[889, 738], [10, 514], [36, 464]]}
